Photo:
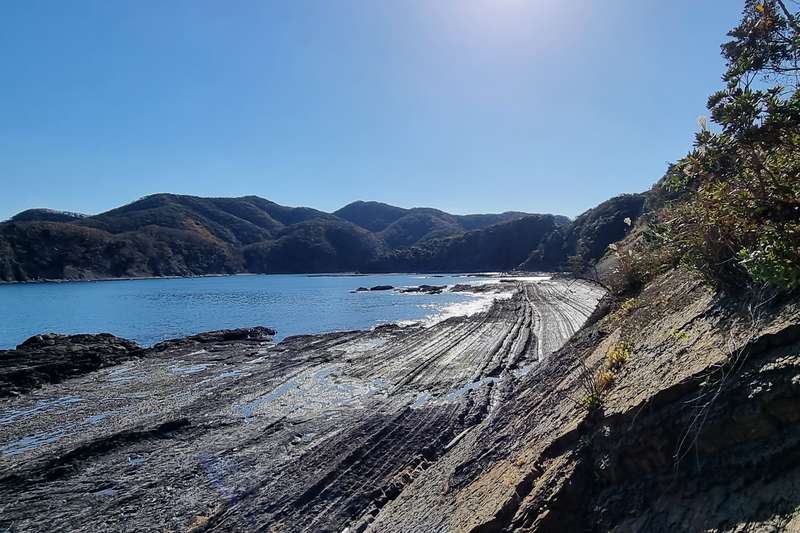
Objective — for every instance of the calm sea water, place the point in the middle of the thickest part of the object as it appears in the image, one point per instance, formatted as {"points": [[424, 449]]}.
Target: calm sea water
{"points": [[149, 311]]}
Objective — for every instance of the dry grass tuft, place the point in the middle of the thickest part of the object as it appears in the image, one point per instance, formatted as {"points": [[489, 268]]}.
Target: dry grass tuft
{"points": [[618, 356], [595, 384]]}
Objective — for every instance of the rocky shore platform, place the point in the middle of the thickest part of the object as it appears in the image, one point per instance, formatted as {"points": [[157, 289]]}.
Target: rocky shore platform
{"points": [[229, 431]]}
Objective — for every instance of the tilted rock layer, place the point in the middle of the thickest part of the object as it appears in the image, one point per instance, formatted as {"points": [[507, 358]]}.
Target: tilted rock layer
{"points": [[475, 424], [233, 432], [697, 433]]}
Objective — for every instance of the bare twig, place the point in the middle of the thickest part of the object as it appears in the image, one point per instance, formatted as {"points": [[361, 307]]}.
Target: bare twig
{"points": [[789, 16], [737, 349]]}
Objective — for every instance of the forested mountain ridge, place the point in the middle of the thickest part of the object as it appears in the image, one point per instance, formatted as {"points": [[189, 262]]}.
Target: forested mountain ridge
{"points": [[179, 235]]}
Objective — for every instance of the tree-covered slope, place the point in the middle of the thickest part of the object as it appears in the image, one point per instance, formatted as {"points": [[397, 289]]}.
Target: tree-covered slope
{"points": [[178, 235], [499, 247], [400, 227]]}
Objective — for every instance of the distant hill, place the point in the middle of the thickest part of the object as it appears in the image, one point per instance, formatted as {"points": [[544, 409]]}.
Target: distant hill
{"points": [[587, 238], [498, 247], [48, 215], [372, 216], [179, 235], [236, 221], [406, 227]]}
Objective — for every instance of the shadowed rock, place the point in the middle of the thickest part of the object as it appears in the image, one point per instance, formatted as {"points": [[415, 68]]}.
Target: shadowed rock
{"points": [[427, 289], [51, 358], [258, 333]]}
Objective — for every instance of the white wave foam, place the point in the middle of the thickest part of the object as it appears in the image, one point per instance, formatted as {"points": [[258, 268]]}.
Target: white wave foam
{"points": [[479, 304], [529, 279]]}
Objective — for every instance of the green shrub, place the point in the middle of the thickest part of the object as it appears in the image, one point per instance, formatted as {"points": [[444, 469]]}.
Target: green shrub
{"points": [[734, 207], [592, 401], [775, 257], [618, 356]]}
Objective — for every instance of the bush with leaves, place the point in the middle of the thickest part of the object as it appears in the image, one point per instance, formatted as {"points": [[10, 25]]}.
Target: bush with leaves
{"points": [[735, 216]]}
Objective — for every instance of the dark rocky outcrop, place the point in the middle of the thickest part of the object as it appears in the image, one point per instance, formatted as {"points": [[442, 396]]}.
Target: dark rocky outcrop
{"points": [[427, 289], [255, 334], [52, 358]]}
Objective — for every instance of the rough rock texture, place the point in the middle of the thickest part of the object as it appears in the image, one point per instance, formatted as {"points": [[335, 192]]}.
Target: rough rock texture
{"points": [[316, 433], [697, 433], [428, 289], [258, 333], [51, 358], [476, 424]]}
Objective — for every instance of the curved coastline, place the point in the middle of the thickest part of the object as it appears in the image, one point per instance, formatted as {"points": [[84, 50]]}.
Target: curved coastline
{"points": [[305, 407]]}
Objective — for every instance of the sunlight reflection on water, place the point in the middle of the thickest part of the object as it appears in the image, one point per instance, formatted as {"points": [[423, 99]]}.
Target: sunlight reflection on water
{"points": [[149, 311]]}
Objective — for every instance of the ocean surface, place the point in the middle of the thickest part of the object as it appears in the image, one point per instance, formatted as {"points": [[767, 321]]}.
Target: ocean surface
{"points": [[152, 310]]}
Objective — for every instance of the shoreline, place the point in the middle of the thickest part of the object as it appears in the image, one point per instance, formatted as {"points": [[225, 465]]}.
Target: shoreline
{"points": [[304, 274], [232, 422], [480, 300]]}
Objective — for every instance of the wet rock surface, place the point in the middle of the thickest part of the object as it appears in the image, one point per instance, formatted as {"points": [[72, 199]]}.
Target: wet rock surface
{"points": [[258, 333], [475, 424], [427, 289], [51, 358], [237, 433]]}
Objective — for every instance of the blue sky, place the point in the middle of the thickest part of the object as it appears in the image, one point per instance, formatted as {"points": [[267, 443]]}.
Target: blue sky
{"points": [[464, 105]]}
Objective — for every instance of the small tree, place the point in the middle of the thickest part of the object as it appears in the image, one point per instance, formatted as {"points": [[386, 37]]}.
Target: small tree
{"points": [[737, 219]]}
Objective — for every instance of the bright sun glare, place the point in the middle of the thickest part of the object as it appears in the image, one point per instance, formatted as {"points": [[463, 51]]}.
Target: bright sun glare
{"points": [[509, 21]]}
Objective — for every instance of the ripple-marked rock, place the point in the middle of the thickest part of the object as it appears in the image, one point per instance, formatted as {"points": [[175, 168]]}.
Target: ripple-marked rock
{"points": [[236, 433]]}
